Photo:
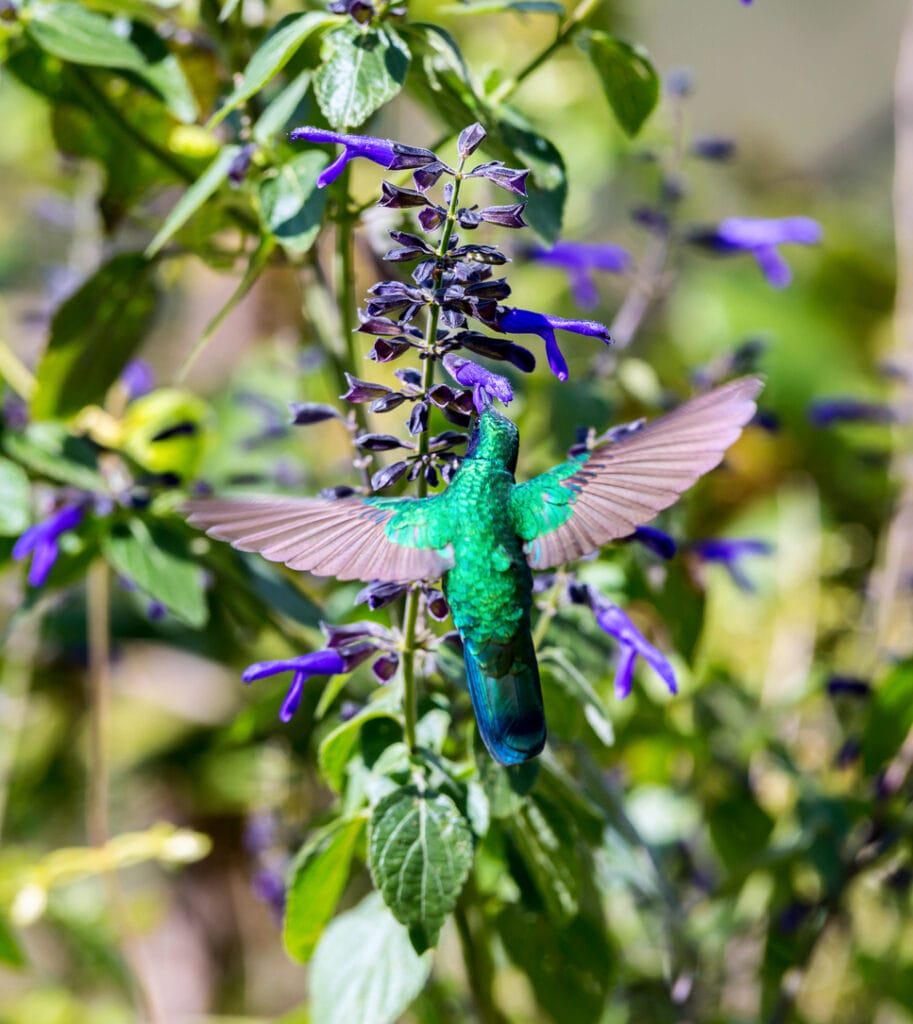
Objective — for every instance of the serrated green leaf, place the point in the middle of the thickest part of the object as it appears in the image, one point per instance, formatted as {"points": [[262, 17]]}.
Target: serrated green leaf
{"points": [[419, 853], [316, 881], [273, 54], [93, 335], [47, 449], [337, 747], [291, 203], [629, 80], [15, 499], [275, 118], [151, 558], [361, 71], [208, 182], [365, 970]]}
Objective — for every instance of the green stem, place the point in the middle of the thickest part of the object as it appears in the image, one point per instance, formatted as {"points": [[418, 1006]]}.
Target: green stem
{"points": [[410, 695], [580, 15]]}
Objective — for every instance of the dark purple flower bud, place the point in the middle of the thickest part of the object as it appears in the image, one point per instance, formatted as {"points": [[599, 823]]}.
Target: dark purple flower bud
{"points": [[486, 386], [409, 376], [848, 686], [427, 177], [364, 390], [848, 752], [486, 254], [395, 198], [654, 540], [388, 475], [525, 321], [443, 442], [713, 148], [340, 491], [760, 236], [41, 542], [358, 10], [238, 168], [827, 411], [489, 289], [438, 608], [381, 442], [432, 217], [578, 260], [348, 710], [505, 216], [655, 221], [792, 918], [727, 552], [388, 402], [392, 155], [305, 413], [318, 663], [404, 254], [269, 887], [470, 139], [418, 419], [384, 668], [379, 595], [441, 395], [137, 379], [386, 328], [431, 476], [504, 177], [156, 611], [385, 350], [407, 239], [450, 468], [349, 633], [612, 620], [469, 219]]}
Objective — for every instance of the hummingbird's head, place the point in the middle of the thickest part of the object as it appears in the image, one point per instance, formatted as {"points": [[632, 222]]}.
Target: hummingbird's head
{"points": [[496, 438]]}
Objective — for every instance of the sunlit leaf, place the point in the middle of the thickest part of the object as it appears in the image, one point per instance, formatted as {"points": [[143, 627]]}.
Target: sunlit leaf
{"points": [[629, 80], [15, 499], [292, 204]]}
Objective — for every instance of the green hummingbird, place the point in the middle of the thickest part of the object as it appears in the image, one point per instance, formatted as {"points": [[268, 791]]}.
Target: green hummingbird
{"points": [[486, 533]]}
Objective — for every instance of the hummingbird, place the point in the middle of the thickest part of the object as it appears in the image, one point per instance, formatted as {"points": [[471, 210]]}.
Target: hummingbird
{"points": [[486, 533]]}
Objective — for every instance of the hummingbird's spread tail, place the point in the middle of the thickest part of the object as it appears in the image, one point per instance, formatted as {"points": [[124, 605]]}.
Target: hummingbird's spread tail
{"points": [[508, 704]]}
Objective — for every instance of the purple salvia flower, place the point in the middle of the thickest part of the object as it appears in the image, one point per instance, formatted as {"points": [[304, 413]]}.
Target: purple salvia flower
{"points": [[318, 663], [578, 260], [508, 178], [137, 379], [486, 386], [525, 321], [392, 155], [727, 552], [760, 236], [827, 411], [40, 541], [612, 620], [655, 540]]}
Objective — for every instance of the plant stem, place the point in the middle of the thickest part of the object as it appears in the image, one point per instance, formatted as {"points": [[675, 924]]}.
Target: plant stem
{"points": [[579, 16]]}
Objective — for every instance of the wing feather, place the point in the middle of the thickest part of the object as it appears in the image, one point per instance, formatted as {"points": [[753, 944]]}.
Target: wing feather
{"points": [[347, 538], [579, 506]]}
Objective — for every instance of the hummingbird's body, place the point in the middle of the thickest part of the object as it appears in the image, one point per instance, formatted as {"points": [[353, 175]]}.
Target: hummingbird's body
{"points": [[486, 532]]}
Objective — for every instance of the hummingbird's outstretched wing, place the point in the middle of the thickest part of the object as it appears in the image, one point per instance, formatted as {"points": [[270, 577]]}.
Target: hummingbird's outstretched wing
{"points": [[397, 540], [582, 504]]}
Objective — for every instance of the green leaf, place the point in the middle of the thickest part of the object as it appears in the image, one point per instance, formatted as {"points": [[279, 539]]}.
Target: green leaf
{"points": [[629, 80], [291, 203], [15, 499], [275, 118], [361, 71], [93, 335], [890, 717], [499, 6], [317, 880], [47, 449], [365, 970], [738, 827], [579, 690], [153, 560], [273, 54], [11, 954], [337, 747], [419, 852], [208, 182], [547, 846], [163, 72]]}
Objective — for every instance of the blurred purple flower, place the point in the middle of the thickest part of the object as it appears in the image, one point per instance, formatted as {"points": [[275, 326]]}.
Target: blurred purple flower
{"points": [[578, 260], [612, 620], [655, 540], [525, 321], [728, 552], [760, 236], [827, 411], [318, 663], [40, 541], [392, 155], [486, 386], [137, 379]]}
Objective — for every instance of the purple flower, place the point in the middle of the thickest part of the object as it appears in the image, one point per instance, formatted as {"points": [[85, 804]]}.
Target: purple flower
{"points": [[137, 379], [760, 236], [612, 620], [40, 541], [318, 663], [578, 260], [827, 411], [655, 540], [525, 321], [392, 155], [486, 386], [727, 552]]}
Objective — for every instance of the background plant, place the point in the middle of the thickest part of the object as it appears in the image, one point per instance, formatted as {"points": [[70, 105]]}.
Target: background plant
{"points": [[175, 279]]}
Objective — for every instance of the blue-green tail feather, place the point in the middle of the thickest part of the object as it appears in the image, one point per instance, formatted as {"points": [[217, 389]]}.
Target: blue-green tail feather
{"points": [[507, 698]]}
